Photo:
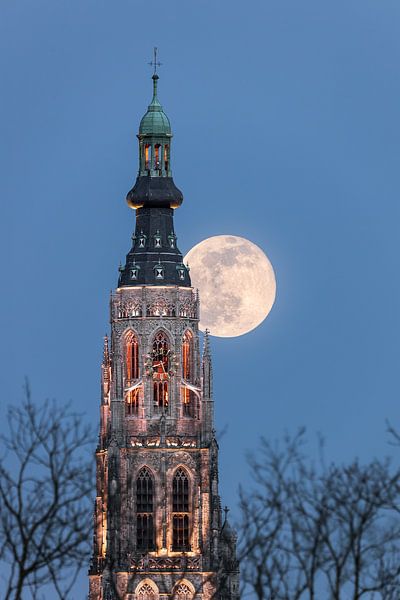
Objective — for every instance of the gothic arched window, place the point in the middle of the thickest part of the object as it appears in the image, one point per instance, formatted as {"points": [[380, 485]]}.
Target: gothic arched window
{"points": [[188, 397], [160, 356], [145, 510], [146, 592], [131, 357], [180, 511], [187, 356]]}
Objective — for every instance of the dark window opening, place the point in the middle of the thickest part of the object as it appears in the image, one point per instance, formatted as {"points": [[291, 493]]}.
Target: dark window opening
{"points": [[180, 510], [144, 511], [166, 157], [160, 392]]}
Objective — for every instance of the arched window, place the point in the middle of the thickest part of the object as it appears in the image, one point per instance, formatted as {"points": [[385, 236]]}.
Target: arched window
{"points": [[187, 356], [147, 156], [187, 395], [160, 354], [131, 357], [182, 592], [146, 592], [145, 510], [157, 156], [166, 157], [132, 403], [180, 512]]}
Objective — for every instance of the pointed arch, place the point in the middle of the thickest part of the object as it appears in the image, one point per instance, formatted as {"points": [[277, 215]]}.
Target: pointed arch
{"points": [[180, 511], [145, 510], [147, 590], [183, 590], [131, 354]]}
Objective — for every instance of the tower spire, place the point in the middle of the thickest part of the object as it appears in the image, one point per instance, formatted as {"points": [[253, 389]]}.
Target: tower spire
{"points": [[154, 258]]}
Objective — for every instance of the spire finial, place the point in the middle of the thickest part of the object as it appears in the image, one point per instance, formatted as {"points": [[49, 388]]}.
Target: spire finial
{"points": [[155, 63], [226, 510]]}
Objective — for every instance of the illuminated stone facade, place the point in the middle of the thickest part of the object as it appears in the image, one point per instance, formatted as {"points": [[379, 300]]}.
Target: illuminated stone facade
{"points": [[158, 530]]}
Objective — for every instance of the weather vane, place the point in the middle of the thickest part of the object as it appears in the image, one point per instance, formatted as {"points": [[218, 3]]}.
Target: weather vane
{"points": [[154, 63]]}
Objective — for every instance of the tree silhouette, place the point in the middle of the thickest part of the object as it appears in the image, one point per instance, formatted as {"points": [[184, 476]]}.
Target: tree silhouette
{"points": [[46, 484]]}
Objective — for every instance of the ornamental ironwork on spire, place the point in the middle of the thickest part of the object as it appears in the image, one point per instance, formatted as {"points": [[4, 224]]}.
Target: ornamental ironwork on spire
{"points": [[154, 258]]}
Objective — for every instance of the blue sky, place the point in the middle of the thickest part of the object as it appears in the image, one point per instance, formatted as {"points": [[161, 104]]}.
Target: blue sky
{"points": [[286, 131]]}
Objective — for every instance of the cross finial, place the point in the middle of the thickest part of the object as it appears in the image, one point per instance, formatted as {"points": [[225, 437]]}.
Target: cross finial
{"points": [[155, 63], [226, 510]]}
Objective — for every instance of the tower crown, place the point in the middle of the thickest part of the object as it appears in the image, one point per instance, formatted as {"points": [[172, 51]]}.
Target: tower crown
{"points": [[154, 258], [154, 187]]}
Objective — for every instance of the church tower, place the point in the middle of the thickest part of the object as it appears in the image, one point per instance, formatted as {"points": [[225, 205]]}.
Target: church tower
{"points": [[158, 529]]}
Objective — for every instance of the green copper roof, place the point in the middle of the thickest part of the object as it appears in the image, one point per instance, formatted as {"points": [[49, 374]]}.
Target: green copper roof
{"points": [[155, 121]]}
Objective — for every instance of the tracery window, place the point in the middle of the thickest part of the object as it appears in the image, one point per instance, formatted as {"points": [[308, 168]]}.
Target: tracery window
{"points": [[132, 357], [180, 511], [182, 592], [145, 510], [161, 367], [146, 592], [132, 403]]}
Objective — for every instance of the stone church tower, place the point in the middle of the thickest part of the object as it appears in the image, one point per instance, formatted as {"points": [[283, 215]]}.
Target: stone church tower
{"points": [[158, 529]]}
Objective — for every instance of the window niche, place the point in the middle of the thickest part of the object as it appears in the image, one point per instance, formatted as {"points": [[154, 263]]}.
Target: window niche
{"points": [[187, 395], [145, 511], [147, 157], [166, 157], [131, 358], [180, 512]]}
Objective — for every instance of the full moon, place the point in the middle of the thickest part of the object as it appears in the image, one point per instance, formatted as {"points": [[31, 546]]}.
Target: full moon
{"points": [[236, 282]]}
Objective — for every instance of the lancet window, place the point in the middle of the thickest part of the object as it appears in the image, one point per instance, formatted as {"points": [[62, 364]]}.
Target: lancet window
{"points": [[131, 357], [187, 395], [161, 366], [145, 510], [187, 356], [180, 512]]}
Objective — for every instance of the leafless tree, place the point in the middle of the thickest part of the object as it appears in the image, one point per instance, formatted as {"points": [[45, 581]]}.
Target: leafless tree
{"points": [[326, 531], [46, 484]]}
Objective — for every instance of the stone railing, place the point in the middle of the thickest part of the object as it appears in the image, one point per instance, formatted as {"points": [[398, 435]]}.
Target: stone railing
{"points": [[129, 303], [182, 564]]}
